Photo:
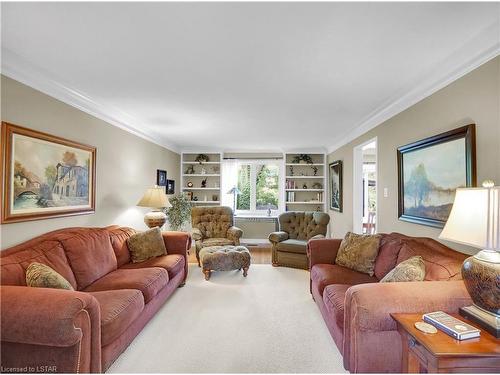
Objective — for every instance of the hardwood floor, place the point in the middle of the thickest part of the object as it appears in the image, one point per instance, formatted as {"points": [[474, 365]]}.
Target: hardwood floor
{"points": [[261, 254]]}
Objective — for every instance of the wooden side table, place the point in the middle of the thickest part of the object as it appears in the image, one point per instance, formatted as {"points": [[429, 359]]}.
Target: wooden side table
{"points": [[439, 352]]}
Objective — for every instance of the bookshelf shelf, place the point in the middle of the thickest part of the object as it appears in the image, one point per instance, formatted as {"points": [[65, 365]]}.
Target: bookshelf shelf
{"points": [[295, 195], [311, 177], [201, 175], [310, 202], [198, 172]]}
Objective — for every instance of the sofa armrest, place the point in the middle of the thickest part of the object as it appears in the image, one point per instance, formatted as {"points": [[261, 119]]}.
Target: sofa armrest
{"points": [[54, 318], [178, 243], [322, 251], [196, 234], [317, 237], [368, 307], [276, 237], [234, 234]]}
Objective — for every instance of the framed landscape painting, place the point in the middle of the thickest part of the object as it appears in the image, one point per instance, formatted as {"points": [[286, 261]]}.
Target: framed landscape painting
{"points": [[430, 171], [335, 169], [45, 176]]}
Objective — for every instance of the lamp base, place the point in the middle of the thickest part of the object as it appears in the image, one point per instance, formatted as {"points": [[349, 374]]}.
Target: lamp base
{"points": [[488, 320], [480, 275], [155, 219]]}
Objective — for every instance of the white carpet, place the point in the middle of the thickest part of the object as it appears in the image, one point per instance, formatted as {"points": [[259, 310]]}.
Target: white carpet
{"points": [[265, 323]]}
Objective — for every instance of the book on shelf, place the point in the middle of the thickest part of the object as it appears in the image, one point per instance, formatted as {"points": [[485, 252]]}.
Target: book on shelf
{"points": [[454, 327]]}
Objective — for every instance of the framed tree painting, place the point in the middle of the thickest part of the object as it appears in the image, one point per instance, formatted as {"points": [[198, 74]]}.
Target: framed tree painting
{"points": [[430, 171], [335, 175], [44, 175]]}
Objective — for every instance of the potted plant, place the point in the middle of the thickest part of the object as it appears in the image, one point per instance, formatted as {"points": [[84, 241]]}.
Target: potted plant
{"points": [[202, 158], [305, 158], [180, 213]]}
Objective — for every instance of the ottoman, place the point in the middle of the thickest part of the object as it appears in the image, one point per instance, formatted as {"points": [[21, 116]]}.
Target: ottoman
{"points": [[224, 258]]}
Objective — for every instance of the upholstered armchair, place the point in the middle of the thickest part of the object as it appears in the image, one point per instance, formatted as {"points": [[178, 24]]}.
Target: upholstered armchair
{"points": [[296, 228], [213, 226]]}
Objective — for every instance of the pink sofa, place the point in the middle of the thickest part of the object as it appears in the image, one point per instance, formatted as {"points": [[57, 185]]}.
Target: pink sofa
{"points": [[54, 330], [356, 307]]}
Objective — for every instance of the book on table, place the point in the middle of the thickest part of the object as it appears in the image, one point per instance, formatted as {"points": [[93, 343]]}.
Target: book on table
{"points": [[454, 327]]}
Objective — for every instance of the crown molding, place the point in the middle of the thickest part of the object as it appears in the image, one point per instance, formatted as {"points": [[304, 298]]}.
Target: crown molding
{"points": [[474, 53], [16, 67]]}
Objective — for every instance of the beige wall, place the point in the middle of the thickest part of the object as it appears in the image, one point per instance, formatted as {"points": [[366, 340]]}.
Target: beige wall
{"points": [[126, 164], [473, 98]]}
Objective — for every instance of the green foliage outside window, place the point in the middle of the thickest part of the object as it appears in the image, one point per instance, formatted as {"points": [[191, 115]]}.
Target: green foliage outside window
{"points": [[266, 190], [267, 187], [243, 199]]}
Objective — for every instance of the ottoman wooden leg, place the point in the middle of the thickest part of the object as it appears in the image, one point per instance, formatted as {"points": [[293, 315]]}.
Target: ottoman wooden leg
{"points": [[207, 274], [245, 271]]}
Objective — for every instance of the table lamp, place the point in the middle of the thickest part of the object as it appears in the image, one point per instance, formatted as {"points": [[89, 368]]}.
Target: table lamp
{"points": [[475, 220], [155, 198], [235, 191]]}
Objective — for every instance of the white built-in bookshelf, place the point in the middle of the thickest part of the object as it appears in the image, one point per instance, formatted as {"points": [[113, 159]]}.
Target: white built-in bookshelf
{"points": [[305, 182], [194, 173]]}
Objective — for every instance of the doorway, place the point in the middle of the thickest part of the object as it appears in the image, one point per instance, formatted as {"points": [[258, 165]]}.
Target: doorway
{"points": [[365, 187]]}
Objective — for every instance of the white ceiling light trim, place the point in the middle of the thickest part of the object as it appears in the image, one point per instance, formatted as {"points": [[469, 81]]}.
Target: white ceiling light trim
{"points": [[17, 68], [486, 46]]}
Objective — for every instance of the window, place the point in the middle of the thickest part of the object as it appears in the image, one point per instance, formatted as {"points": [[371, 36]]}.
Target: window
{"points": [[259, 183]]}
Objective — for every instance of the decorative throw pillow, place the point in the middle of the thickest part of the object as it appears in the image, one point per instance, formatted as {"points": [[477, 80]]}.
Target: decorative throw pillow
{"points": [[146, 245], [41, 276], [412, 269], [358, 252]]}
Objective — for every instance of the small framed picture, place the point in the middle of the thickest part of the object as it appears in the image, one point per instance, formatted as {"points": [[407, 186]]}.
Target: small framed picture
{"points": [[336, 185], [188, 195], [161, 177], [170, 187]]}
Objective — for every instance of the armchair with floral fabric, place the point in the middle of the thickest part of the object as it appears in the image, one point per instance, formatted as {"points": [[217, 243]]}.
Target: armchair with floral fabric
{"points": [[213, 226]]}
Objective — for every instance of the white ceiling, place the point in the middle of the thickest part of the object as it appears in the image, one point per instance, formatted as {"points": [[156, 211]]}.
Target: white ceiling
{"points": [[245, 76]]}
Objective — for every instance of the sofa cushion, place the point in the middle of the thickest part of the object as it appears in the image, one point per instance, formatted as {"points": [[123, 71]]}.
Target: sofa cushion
{"points": [[119, 237], [292, 246], [216, 242], [174, 264], [327, 274], [412, 269], [441, 262], [387, 257], [15, 261], [358, 252], [90, 254], [333, 298], [39, 275], [148, 280], [119, 308], [146, 245]]}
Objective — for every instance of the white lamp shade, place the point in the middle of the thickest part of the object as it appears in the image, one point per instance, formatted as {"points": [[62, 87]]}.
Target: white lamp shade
{"points": [[475, 218], [155, 197]]}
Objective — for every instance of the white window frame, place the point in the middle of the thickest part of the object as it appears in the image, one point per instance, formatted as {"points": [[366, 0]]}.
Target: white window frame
{"points": [[253, 186]]}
